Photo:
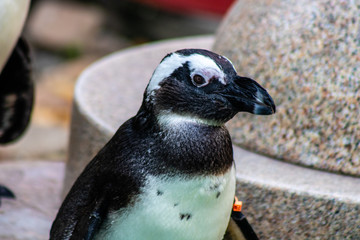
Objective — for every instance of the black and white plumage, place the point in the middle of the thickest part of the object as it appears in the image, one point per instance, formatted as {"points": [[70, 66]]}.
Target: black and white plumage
{"points": [[16, 86], [16, 99], [168, 172]]}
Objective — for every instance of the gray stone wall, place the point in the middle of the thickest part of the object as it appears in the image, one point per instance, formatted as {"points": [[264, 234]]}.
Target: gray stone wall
{"points": [[306, 53]]}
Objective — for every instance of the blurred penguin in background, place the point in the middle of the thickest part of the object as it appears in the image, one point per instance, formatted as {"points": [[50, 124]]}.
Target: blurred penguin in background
{"points": [[16, 85]]}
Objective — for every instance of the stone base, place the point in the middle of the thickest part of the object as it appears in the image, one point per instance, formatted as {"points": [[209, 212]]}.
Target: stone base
{"points": [[281, 200], [37, 186]]}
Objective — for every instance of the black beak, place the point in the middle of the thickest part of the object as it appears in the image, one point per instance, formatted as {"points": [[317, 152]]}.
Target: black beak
{"points": [[246, 95]]}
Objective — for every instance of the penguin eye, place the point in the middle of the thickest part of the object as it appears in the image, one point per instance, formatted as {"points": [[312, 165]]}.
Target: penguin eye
{"points": [[198, 80]]}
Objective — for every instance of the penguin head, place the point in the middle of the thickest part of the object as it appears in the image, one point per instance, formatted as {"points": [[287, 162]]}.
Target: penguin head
{"points": [[202, 86]]}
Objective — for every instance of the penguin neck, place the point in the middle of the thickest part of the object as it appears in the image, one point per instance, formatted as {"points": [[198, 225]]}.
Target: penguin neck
{"points": [[149, 117], [196, 147], [171, 120]]}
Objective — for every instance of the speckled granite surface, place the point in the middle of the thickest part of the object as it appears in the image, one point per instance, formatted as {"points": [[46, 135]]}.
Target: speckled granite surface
{"points": [[278, 214], [307, 54], [281, 200]]}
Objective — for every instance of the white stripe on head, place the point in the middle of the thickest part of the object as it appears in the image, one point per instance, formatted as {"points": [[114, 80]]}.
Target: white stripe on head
{"points": [[197, 63]]}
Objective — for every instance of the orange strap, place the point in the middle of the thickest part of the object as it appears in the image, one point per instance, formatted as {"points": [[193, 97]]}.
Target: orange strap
{"points": [[237, 205]]}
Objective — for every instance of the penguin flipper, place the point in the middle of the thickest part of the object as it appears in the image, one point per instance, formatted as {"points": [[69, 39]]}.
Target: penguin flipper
{"points": [[89, 222], [16, 93], [5, 192], [233, 232]]}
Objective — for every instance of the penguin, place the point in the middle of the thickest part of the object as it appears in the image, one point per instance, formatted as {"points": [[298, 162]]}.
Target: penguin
{"points": [[17, 88], [16, 93], [168, 172], [16, 85]]}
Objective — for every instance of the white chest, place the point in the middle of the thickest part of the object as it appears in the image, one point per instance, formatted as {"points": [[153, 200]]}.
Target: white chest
{"points": [[175, 208]]}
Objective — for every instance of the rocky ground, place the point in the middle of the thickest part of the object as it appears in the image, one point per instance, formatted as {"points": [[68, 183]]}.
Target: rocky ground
{"points": [[65, 37]]}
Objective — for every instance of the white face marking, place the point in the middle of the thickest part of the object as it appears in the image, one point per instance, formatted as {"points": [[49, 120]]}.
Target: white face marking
{"points": [[206, 67], [207, 74], [176, 208], [198, 64]]}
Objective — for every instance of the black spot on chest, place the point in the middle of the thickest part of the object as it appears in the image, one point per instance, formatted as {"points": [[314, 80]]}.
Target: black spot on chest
{"points": [[218, 194], [185, 216]]}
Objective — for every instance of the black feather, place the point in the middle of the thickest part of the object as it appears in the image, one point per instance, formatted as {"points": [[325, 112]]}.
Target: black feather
{"points": [[16, 94]]}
